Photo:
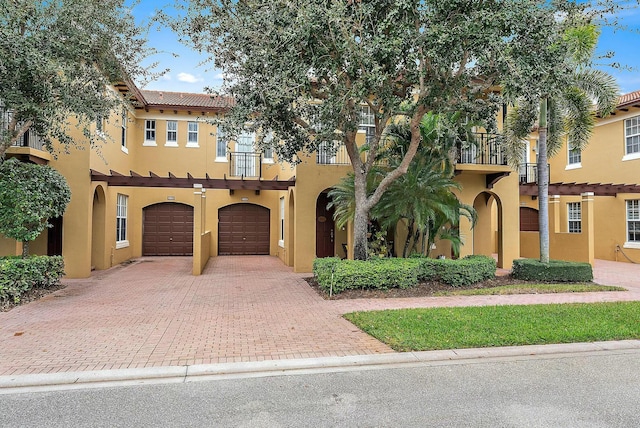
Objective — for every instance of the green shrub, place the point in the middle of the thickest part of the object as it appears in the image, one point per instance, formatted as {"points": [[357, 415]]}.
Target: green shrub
{"points": [[371, 274], [18, 275], [555, 271], [457, 273]]}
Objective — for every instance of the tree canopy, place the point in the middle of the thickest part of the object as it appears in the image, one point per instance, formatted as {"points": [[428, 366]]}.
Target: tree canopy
{"points": [[30, 194], [57, 59], [303, 69]]}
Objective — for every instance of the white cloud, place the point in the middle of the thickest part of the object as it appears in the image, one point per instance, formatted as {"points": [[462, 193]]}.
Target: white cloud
{"points": [[189, 78]]}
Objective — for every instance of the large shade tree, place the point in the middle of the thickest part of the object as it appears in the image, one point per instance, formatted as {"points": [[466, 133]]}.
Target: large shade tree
{"points": [[57, 59], [558, 99], [304, 68]]}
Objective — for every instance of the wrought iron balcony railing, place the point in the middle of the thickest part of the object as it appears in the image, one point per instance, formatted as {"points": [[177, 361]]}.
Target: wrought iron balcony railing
{"points": [[335, 154], [245, 164], [485, 149], [30, 139], [528, 172]]}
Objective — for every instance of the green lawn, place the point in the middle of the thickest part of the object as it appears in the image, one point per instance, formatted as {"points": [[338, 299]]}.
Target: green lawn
{"points": [[475, 327], [530, 289]]}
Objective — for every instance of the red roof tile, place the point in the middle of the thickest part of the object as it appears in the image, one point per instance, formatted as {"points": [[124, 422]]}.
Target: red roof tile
{"points": [[185, 99], [630, 98]]}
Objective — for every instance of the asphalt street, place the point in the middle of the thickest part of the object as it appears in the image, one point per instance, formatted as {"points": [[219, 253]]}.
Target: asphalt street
{"points": [[582, 390]]}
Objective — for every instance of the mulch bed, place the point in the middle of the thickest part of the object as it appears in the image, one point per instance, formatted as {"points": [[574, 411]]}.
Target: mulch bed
{"points": [[30, 296], [424, 289]]}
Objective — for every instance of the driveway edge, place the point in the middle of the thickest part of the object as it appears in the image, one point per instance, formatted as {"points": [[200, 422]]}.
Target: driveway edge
{"points": [[180, 374]]}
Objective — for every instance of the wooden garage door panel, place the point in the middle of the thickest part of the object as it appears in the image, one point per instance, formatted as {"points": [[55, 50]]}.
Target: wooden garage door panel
{"points": [[168, 230], [243, 229]]}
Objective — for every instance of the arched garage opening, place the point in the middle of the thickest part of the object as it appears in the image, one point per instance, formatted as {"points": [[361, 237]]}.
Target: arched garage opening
{"points": [[98, 252], [167, 230], [243, 229]]}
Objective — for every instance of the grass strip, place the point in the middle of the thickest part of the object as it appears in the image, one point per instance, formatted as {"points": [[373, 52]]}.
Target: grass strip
{"points": [[530, 289], [486, 326]]}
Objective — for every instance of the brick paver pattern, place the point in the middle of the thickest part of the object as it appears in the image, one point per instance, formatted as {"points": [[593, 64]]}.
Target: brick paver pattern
{"points": [[249, 308]]}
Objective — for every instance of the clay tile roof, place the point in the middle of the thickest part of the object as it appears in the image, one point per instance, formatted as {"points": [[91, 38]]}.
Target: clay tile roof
{"points": [[186, 100], [630, 98]]}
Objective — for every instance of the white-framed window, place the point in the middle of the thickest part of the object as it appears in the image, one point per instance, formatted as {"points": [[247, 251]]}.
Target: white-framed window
{"points": [[100, 126], [267, 153], [221, 145], [574, 156], [149, 133], [281, 240], [632, 136], [192, 134], [367, 123], [172, 133], [245, 161], [121, 221], [123, 124], [633, 223], [574, 215]]}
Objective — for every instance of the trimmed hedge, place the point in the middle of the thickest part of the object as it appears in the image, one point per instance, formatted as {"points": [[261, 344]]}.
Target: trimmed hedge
{"points": [[555, 271], [458, 273], [18, 275], [339, 275], [370, 274]]}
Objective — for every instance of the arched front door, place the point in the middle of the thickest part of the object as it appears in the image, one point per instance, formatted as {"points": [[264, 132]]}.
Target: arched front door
{"points": [[243, 229], [167, 230], [325, 228]]}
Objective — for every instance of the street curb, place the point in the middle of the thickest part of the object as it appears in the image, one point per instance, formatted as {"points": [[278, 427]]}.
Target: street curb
{"points": [[180, 374]]}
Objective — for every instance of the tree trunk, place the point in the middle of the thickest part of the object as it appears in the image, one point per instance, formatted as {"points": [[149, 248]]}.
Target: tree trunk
{"points": [[360, 218], [407, 242], [25, 249], [543, 184]]}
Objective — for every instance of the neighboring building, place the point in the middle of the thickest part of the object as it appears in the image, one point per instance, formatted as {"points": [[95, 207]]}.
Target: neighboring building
{"points": [[167, 182], [608, 168]]}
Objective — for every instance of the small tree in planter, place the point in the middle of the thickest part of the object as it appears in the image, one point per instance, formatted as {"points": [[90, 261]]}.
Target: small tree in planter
{"points": [[30, 194]]}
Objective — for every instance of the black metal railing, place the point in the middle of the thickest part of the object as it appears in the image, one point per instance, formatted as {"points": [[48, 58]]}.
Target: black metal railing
{"points": [[484, 149], [245, 164], [30, 139], [528, 172], [335, 154]]}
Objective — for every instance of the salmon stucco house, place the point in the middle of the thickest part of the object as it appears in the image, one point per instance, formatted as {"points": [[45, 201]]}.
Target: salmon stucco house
{"points": [[168, 182]]}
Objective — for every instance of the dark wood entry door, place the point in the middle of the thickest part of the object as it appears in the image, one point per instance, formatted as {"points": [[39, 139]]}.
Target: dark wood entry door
{"points": [[168, 230], [325, 228], [243, 229], [54, 237]]}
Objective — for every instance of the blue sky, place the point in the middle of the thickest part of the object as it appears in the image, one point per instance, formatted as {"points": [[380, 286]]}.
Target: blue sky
{"points": [[187, 73]]}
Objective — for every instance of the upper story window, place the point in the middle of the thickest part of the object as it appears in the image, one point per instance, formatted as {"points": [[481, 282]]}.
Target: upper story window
{"points": [[149, 133], [100, 125], [121, 221], [267, 153], [172, 133], [633, 223], [632, 135], [221, 145], [574, 156], [574, 214], [123, 125], [192, 134], [367, 123]]}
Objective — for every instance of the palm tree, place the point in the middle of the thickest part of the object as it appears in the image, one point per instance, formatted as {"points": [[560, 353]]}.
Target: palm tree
{"points": [[421, 197], [562, 106]]}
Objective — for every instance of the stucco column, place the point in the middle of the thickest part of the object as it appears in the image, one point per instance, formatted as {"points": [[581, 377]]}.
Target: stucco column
{"points": [[554, 215], [197, 228], [588, 228]]}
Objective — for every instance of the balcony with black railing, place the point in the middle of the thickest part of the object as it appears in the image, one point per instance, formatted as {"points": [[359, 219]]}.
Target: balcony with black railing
{"points": [[528, 173], [335, 154], [245, 165], [484, 149]]}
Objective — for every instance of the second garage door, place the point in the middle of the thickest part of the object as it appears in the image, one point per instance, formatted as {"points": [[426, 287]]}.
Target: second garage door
{"points": [[243, 229], [168, 230]]}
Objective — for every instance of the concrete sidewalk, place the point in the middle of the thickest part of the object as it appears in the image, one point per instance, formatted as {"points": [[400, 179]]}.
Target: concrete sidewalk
{"points": [[153, 313]]}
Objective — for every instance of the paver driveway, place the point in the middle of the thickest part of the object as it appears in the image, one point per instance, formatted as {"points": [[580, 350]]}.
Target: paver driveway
{"points": [[247, 308], [154, 313]]}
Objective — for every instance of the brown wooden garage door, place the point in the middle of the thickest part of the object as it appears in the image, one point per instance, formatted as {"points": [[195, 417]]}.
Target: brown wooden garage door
{"points": [[168, 230], [243, 229]]}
